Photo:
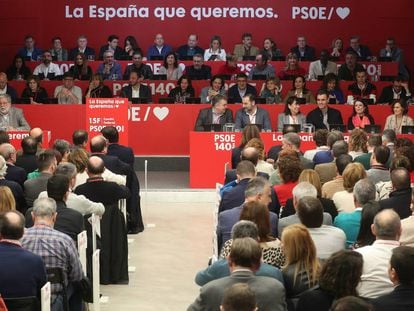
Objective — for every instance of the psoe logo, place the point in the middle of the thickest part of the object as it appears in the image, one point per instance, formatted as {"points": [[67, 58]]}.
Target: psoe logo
{"points": [[320, 13]]}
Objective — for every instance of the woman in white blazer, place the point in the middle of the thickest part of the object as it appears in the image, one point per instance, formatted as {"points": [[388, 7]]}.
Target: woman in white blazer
{"points": [[399, 117], [291, 114]]}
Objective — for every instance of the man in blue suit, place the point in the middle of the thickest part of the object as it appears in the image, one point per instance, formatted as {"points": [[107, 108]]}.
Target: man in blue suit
{"points": [[237, 91], [124, 153], [251, 114]]}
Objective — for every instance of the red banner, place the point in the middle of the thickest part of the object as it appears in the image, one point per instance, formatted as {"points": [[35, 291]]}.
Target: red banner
{"points": [[16, 138]]}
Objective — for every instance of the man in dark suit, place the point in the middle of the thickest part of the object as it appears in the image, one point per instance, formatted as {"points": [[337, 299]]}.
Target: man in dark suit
{"points": [[15, 188], [251, 114], [347, 71], [11, 118], [401, 273], [244, 261], [82, 48], [125, 154], [113, 41], [303, 51], [236, 92], [7, 89], [68, 221], [136, 91], [190, 49], [398, 90], [323, 116], [217, 114], [27, 160], [362, 51], [22, 273], [198, 71], [14, 173]]}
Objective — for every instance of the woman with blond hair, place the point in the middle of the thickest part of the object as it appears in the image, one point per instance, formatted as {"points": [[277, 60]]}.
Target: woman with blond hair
{"points": [[344, 200], [357, 143], [7, 201], [301, 269]]}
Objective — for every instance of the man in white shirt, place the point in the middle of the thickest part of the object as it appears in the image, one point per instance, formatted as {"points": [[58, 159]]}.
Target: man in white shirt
{"points": [[47, 70], [68, 92], [322, 67], [374, 280]]}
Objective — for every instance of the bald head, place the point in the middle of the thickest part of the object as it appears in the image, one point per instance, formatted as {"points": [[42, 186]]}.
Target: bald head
{"points": [[11, 225], [98, 144], [37, 134], [387, 225], [250, 154], [95, 166], [8, 152], [400, 178]]}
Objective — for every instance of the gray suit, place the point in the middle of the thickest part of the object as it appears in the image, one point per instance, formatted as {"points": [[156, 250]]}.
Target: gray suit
{"points": [[315, 69], [283, 119], [16, 120], [33, 187], [262, 117], [294, 219], [270, 293]]}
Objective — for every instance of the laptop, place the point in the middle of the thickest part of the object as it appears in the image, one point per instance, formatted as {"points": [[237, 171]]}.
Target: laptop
{"points": [[157, 57], [372, 128], [51, 100], [337, 127], [259, 77], [193, 100], [385, 59], [226, 77], [187, 57], [300, 100], [260, 100], [23, 100], [166, 100], [289, 77], [367, 101], [278, 58], [213, 127], [159, 77], [251, 57], [139, 100], [288, 128], [407, 129]]}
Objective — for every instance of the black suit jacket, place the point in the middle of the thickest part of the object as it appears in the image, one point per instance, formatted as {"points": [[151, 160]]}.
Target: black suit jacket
{"points": [[12, 93], [400, 299], [316, 118], [205, 116], [309, 53], [387, 95], [400, 201], [119, 53], [15, 173], [125, 154], [144, 92], [234, 95], [328, 207], [88, 52], [68, 220], [28, 162], [364, 52]]}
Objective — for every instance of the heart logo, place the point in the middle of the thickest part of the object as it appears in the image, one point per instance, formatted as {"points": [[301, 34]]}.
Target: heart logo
{"points": [[343, 12], [161, 113]]}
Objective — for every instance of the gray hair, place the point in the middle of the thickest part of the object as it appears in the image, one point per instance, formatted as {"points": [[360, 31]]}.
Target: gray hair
{"points": [[44, 207], [255, 186], [66, 168], [61, 145], [304, 189], [244, 229], [7, 150], [293, 139], [333, 137], [387, 225], [339, 147], [7, 97], [108, 52], [364, 191], [3, 167]]}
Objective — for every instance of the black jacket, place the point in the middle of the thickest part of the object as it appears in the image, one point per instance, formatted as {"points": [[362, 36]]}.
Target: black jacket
{"points": [[316, 118]]}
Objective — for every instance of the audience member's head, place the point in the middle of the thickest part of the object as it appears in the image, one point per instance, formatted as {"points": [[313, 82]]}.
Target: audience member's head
{"points": [[238, 297], [388, 137], [95, 166], [374, 141], [4, 137], [250, 131], [303, 189], [111, 134], [352, 173], [401, 161], [342, 162], [291, 141], [245, 253], [29, 145], [259, 214], [400, 179], [312, 177], [245, 169], [387, 225], [320, 137], [310, 212], [8, 152], [364, 191], [258, 189], [351, 303], [365, 236], [80, 138], [250, 154], [79, 157], [258, 144], [98, 144], [63, 147], [58, 187], [46, 161], [3, 167], [37, 134], [289, 167], [333, 137], [358, 140], [339, 148], [380, 155], [7, 201], [244, 229], [44, 210], [11, 225], [402, 266]]}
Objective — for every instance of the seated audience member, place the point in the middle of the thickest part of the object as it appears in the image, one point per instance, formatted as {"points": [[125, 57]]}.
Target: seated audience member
{"points": [[351, 303], [344, 200], [80, 69], [198, 71], [303, 51], [220, 268], [337, 49], [374, 280], [47, 70], [183, 90], [398, 90], [357, 143], [262, 166], [33, 92], [362, 51], [347, 71], [18, 69], [58, 52], [246, 48], [291, 114], [22, 273], [300, 91], [388, 139], [136, 90], [384, 188], [402, 277], [97, 89], [251, 114], [251, 189], [27, 160], [68, 93], [292, 141], [364, 191], [171, 67], [112, 45], [400, 197], [302, 267], [190, 49], [239, 297], [271, 91], [320, 137], [14, 173], [397, 55], [230, 68], [109, 69], [11, 118], [124, 153], [262, 67], [144, 71], [217, 114], [331, 84], [63, 255], [244, 261], [360, 116], [339, 278], [80, 139], [399, 117], [7, 201], [337, 184], [46, 164], [68, 220], [323, 116], [250, 131], [30, 51], [378, 171], [365, 159], [82, 47], [130, 46], [407, 225], [216, 88], [61, 146], [292, 68], [215, 52], [327, 239], [15, 188], [240, 89], [322, 67], [362, 88], [271, 50], [37, 133], [7, 89], [158, 49], [365, 236], [258, 213], [301, 190]]}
